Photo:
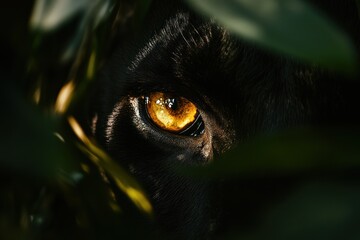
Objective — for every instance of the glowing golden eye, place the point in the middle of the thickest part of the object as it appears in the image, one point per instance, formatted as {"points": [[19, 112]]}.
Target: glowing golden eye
{"points": [[171, 113]]}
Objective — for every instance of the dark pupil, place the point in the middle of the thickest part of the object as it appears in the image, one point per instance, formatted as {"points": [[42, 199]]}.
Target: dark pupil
{"points": [[172, 103]]}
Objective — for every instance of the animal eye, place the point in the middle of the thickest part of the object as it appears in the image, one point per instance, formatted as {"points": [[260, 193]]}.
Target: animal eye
{"points": [[174, 114]]}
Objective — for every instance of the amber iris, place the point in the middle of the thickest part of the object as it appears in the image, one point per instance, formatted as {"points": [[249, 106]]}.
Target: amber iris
{"points": [[169, 112]]}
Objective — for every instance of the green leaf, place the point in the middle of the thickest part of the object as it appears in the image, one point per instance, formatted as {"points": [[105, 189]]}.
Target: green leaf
{"points": [[317, 210], [288, 153], [290, 27], [28, 142]]}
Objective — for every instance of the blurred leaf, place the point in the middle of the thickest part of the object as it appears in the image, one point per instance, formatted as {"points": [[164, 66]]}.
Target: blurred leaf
{"points": [[288, 153], [314, 211], [27, 142], [49, 16], [122, 179], [287, 26]]}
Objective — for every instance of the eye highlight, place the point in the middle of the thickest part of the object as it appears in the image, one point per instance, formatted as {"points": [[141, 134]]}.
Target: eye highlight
{"points": [[173, 113]]}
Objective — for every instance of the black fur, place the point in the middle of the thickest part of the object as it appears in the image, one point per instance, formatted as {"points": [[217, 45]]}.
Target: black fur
{"points": [[240, 90]]}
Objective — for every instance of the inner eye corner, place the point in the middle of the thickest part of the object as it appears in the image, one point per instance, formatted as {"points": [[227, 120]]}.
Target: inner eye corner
{"points": [[173, 113]]}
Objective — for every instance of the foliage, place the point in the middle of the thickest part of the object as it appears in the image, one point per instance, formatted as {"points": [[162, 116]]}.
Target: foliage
{"points": [[292, 27]]}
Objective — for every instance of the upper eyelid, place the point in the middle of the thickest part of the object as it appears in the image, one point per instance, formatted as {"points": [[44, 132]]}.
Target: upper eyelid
{"points": [[142, 90]]}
